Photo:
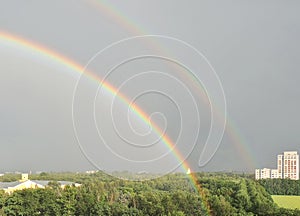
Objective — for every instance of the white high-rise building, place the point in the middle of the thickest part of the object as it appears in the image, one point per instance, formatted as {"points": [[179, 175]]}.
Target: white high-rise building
{"points": [[287, 167], [279, 165]]}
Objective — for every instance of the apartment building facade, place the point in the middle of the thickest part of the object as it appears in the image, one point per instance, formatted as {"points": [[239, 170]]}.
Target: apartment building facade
{"points": [[287, 167]]}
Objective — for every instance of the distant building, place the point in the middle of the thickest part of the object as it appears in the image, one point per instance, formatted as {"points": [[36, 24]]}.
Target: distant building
{"points": [[274, 174], [287, 167], [25, 183], [24, 177], [91, 171], [262, 173], [266, 173]]}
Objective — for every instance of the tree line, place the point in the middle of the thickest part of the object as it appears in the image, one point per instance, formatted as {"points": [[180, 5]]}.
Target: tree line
{"points": [[281, 186], [99, 194]]}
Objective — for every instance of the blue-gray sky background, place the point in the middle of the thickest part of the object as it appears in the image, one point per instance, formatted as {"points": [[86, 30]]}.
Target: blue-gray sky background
{"points": [[253, 46]]}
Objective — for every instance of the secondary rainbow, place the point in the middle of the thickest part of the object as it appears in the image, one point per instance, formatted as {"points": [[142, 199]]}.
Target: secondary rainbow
{"points": [[124, 21]]}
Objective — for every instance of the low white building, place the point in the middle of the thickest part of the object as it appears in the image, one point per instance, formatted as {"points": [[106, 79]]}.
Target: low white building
{"points": [[25, 183], [274, 174], [264, 173]]}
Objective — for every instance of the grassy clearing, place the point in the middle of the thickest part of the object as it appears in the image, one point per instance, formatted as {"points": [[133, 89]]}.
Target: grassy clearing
{"points": [[290, 202]]}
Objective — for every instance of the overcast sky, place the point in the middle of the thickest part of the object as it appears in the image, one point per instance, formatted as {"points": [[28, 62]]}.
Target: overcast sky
{"points": [[252, 45]]}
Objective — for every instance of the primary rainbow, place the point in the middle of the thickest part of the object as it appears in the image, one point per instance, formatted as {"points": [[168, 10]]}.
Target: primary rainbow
{"points": [[48, 53], [43, 51]]}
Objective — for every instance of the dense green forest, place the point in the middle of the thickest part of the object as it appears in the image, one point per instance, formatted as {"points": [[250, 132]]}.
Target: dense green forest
{"points": [[281, 186], [100, 194]]}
